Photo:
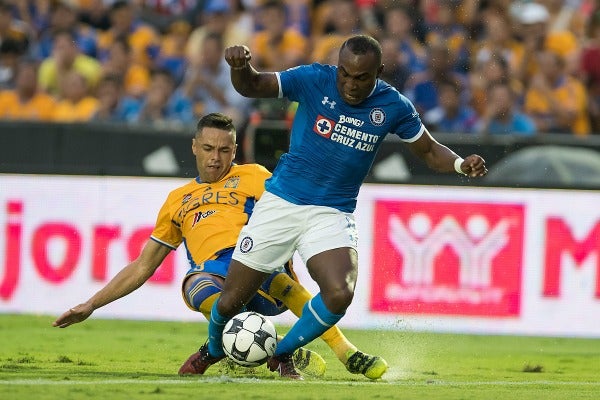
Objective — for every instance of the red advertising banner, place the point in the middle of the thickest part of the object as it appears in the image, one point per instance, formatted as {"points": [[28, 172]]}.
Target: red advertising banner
{"points": [[447, 258]]}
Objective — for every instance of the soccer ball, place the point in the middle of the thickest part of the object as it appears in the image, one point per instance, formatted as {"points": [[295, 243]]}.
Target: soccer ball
{"points": [[249, 339]]}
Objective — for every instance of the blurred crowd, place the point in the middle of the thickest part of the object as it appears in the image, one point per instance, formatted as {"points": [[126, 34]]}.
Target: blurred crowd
{"points": [[481, 67]]}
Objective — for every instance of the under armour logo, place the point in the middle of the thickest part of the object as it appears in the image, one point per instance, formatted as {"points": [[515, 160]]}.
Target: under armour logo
{"points": [[326, 101]]}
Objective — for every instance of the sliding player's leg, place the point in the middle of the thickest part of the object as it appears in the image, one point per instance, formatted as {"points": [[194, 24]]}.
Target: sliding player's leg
{"points": [[201, 290]]}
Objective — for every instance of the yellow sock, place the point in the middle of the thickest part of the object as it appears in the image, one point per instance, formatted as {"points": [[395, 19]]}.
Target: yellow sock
{"points": [[295, 296]]}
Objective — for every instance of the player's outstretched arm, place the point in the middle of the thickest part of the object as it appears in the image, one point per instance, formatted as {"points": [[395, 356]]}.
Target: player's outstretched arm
{"points": [[126, 281], [247, 80], [440, 158]]}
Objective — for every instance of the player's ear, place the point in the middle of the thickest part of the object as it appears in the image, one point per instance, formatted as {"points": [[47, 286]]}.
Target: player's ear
{"points": [[380, 70], [194, 146]]}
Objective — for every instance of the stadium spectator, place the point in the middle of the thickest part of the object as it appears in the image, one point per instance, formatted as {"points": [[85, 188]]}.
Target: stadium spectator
{"points": [[343, 21], [445, 28], [76, 102], [533, 30], [12, 28], [209, 242], [10, 53], [556, 101], [498, 40], [399, 23], [143, 38], [95, 14], [163, 13], [34, 13], [395, 72], [217, 17], [162, 105], [487, 71], [590, 68], [502, 115], [63, 16], [422, 88], [309, 201], [209, 86], [276, 46], [65, 58], [119, 61], [298, 15], [566, 15], [25, 102], [451, 115], [113, 103], [171, 54]]}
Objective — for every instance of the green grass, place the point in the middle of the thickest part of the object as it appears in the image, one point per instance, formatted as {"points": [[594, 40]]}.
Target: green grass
{"points": [[114, 359]]}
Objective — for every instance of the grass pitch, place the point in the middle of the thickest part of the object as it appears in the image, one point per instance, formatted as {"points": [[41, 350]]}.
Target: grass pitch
{"points": [[114, 359]]}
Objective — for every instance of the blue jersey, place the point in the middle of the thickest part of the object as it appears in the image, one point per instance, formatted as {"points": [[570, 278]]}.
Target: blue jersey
{"points": [[333, 144]]}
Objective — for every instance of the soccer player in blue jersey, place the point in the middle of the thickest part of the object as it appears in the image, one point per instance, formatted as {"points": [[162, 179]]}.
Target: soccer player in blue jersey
{"points": [[344, 113], [206, 214]]}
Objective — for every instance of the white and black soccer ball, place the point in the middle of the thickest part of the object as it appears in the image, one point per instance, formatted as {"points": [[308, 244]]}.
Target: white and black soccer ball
{"points": [[249, 339]]}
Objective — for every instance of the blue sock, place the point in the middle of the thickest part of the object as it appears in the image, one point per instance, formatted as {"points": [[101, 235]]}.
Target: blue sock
{"points": [[315, 320], [215, 332]]}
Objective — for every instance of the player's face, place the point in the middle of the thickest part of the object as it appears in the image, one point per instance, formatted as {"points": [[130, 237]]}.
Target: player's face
{"points": [[356, 75], [214, 150]]}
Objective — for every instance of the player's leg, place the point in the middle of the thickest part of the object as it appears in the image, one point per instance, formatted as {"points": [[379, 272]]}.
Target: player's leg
{"points": [[335, 273], [328, 247], [201, 290], [240, 286], [294, 296], [357, 362], [208, 355], [329, 250], [308, 361]]}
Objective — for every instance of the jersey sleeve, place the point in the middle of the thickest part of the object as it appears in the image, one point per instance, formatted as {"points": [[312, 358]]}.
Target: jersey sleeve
{"points": [[408, 126], [296, 82], [166, 231]]}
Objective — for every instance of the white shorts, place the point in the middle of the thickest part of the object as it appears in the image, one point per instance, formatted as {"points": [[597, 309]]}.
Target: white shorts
{"points": [[277, 228]]}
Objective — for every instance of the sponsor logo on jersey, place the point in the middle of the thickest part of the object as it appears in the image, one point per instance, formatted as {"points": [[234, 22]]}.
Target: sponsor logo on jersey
{"points": [[326, 101], [246, 244], [232, 182], [323, 126], [199, 216], [350, 120], [344, 134], [377, 116]]}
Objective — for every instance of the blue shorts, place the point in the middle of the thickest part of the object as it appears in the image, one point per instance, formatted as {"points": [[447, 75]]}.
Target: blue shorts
{"points": [[261, 303]]}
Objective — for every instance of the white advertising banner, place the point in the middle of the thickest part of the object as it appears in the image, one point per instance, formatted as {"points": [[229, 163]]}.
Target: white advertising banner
{"points": [[451, 259]]}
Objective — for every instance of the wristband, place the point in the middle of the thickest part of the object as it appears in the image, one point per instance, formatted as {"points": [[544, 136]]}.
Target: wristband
{"points": [[457, 162]]}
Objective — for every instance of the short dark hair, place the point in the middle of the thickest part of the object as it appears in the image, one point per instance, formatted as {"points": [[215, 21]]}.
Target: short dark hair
{"points": [[363, 44], [218, 121]]}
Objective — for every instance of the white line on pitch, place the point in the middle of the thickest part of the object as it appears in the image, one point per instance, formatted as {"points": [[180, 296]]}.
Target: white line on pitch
{"points": [[42, 382]]}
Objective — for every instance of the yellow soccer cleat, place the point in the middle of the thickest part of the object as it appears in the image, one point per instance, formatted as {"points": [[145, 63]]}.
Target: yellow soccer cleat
{"points": [[373, 367], [309, 362]]}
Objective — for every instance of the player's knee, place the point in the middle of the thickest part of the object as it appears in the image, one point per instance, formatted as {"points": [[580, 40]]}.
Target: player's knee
{"points": [[229, 304], [203, 291], [338, 300]]}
